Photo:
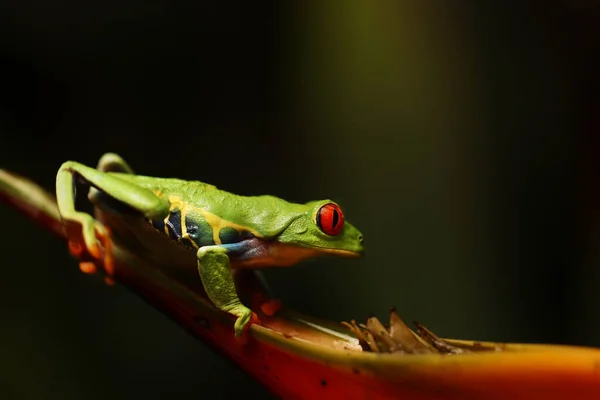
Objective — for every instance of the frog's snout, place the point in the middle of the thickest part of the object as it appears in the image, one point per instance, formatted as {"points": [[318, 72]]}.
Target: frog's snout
{"points": [[360, 248]]}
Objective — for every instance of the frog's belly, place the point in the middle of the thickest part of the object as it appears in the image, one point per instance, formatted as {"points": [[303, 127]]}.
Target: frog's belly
{"points": [[134, 234]]}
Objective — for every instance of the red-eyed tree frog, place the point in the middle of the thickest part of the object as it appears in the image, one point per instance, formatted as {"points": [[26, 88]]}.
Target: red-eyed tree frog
{"points": [[194, 225]]}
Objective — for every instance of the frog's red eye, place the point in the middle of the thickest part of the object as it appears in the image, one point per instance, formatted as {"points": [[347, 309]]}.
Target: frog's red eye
{"points": [[330, 219]]}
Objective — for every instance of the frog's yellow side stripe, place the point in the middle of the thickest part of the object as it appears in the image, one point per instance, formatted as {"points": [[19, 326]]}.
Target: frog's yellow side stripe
{"points": [[166, 224], [216, 223], [184, 232]]}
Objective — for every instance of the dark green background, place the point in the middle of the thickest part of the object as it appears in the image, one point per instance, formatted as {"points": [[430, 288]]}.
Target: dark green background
{"points": [[460, 139]]}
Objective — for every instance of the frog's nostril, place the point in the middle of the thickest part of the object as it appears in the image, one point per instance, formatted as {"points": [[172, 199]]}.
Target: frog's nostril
{"points": [[360, 238]]}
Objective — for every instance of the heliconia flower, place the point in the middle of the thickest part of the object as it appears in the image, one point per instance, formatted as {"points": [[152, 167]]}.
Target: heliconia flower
{"points": [[299, 357]]}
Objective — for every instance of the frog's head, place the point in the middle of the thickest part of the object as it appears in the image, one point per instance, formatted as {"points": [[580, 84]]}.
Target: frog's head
{"points": [[321, 229]]}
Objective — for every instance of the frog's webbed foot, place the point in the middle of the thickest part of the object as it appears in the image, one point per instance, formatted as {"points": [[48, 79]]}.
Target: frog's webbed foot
{"points": [[270, 307], [261, 293], [87, 235], [245, 317]]}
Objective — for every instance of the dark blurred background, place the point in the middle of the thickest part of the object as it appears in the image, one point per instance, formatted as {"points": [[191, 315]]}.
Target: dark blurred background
{"points": [[460, 139]]}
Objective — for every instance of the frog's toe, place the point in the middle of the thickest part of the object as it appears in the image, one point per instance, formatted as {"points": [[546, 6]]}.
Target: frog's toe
{"points": [[75, 248], [267, 306], [87, 235], [271, 307], [103, 237], [243, 322], [80, 228], [87, 267]]}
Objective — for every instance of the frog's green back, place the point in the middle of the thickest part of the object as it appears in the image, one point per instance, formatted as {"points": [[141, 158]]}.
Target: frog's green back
{"points": [[265, 216]]}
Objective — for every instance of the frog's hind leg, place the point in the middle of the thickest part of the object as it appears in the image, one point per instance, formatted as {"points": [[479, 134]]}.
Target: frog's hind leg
{"points": [[111, 162], [81, 228]]}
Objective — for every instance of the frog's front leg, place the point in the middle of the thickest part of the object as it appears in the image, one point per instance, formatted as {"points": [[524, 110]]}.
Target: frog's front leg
{"points": [[215, 272]]}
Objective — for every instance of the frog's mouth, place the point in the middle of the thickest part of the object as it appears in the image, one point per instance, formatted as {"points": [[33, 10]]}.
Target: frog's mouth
{"points": [[257, 252], [338, 252]]}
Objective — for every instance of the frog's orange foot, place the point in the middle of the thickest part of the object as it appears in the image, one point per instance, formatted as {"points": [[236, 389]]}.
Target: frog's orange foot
{"points": [[253, 320], [87, 267], [76, 249], [107, 259], [267, 306], [271, 307], [100, 252]]}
